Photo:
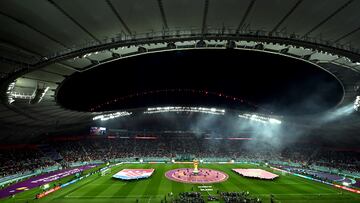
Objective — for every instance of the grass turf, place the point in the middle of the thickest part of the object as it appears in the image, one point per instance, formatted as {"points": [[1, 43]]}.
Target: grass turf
{"points": [[286, 188]]}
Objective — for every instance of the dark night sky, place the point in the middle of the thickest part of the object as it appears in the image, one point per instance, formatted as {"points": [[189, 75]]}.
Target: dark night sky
{"points": [[280, 84]]}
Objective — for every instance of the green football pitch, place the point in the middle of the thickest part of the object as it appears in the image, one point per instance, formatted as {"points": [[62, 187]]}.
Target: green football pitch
{"points": [[286, 188]]}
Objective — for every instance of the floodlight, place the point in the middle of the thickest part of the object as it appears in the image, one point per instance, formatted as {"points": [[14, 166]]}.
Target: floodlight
{"points": [[167, 109], [260, 118], [357, 103], [38, 95], [105, 117]]}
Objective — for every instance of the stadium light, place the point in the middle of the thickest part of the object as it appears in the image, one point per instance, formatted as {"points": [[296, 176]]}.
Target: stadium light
{"points": [[18, 95], [105, 117], [357, 103], [34, 98], [261, 119], [185, 109], [39, 95], [274, 121], [10, 100], [9, 92], [11, 86]]}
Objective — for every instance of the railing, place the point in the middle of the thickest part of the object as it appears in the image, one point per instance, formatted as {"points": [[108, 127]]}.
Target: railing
{"points": [[183, 33], [20, 176], [188, 32]]}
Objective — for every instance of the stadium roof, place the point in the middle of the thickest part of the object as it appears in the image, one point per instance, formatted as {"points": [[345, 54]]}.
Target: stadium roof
{"points": [[44, 42]]}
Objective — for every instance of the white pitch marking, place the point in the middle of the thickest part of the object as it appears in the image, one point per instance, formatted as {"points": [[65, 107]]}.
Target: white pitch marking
{"points": [[294, 194]]}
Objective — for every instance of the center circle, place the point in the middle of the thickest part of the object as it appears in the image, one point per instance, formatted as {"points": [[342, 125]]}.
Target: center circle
{"points": [[204, 176]]}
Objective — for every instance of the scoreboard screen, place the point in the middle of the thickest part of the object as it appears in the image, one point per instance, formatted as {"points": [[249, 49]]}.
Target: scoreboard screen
{"points": [[97, 131]]}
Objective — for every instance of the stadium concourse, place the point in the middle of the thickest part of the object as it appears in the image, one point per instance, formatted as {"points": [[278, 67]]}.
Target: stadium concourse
{"points": [[194, 101]]}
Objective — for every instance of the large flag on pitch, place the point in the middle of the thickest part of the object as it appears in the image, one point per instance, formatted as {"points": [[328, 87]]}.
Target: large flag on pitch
{"points": [[131, 174], [255, 173]]}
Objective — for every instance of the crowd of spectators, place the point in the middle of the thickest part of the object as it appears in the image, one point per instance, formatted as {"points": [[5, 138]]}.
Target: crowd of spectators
{"points": [[21, 161], [172, 147], [349, 161], [336, 159], [107, 149], [308, 173]]}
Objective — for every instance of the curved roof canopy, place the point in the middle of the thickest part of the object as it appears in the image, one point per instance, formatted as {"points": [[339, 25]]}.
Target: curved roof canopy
{"points": [[228, 78]]}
